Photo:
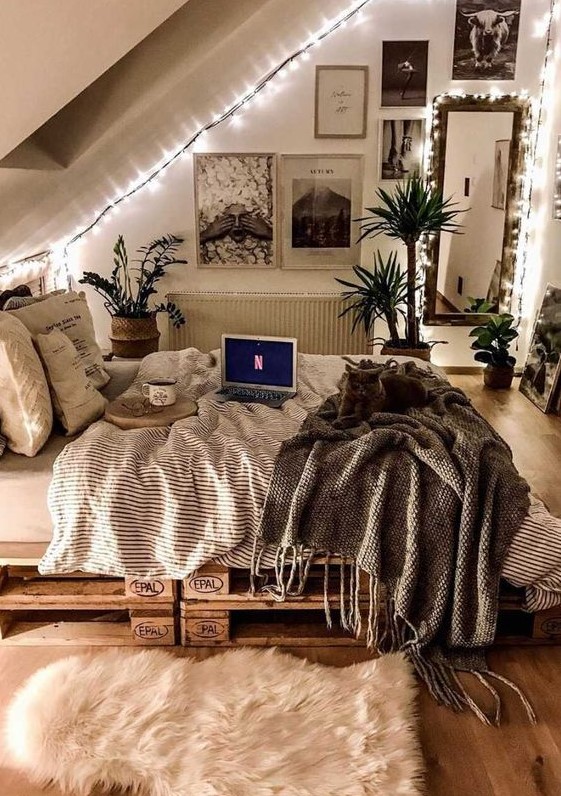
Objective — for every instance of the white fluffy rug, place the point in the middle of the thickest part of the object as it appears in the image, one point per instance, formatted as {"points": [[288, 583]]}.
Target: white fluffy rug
{"points": [[244, 723]]}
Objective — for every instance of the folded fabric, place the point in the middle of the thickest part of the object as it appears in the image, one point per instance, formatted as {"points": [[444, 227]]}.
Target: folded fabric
{"points": [[76, 401], [69, 313], [26, 415], [16, 302], [18, 291]]}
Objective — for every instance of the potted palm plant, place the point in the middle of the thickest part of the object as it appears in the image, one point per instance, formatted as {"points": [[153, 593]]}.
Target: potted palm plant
{"points": [[134, 331], [413, 210], [380, 293], [491, 346]]}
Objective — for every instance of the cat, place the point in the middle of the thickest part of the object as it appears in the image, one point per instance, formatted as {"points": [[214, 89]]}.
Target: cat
{"points": [[362, 395], [403, 392], [365, 390]]}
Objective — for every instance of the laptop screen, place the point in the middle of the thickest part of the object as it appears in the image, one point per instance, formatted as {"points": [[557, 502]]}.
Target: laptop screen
{"points": [[259, 361]]}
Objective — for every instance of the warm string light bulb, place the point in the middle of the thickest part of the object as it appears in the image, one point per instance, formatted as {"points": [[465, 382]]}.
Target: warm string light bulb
{"points": [[353, 11]]}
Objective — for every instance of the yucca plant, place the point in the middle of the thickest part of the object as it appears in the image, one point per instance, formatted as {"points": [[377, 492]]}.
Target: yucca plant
{"points": [[380, 293], [124, 300], [414, 209]]}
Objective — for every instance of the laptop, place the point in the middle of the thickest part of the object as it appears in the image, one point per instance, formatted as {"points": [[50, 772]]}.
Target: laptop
{"points": [[258, 369]]}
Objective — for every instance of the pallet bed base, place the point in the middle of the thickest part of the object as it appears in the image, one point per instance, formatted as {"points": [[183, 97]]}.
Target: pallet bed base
{"points": [[216, 609], [85, 610]]}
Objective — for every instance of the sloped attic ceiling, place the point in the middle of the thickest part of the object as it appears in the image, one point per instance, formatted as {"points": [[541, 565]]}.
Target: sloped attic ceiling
{"points": [[151, 101], [52, 50]]}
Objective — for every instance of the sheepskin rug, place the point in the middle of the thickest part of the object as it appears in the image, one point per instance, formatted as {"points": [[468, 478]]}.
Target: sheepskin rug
{"points": [[243, 723]]}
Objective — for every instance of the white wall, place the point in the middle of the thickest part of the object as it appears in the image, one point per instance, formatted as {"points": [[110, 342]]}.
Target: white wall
{"points": [[281, 121], [52, 50], [470, 152]]}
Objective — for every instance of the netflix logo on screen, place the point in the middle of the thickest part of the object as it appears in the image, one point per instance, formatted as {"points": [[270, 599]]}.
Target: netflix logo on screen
{"points": [[259, 362]]}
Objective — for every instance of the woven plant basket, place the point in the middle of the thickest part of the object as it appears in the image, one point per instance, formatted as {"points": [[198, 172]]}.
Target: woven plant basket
{"points": [[419, 353], [132, 338]]}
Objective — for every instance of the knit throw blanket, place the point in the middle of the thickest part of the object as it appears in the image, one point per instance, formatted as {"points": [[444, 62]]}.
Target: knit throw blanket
{"points": [[427, 503]]}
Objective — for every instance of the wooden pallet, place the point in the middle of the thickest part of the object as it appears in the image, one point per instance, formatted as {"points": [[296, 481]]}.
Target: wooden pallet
{"points": [[82, 609], [216, 609]]}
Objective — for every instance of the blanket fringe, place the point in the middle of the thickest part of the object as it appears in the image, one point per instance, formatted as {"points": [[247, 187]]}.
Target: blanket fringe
{"points": [[292, 568]]}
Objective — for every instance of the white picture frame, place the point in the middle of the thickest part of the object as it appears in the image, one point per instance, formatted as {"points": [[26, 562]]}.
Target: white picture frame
{"points": [[341, 102], [235, 209], [401, 148], [321, 198]]}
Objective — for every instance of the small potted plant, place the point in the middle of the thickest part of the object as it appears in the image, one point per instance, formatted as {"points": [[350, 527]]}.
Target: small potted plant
{"points": [[134, 331], [491, 346], [415, 209]]}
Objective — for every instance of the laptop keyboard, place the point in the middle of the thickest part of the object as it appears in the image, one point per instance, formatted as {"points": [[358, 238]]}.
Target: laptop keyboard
{"points": [[243, 392]]}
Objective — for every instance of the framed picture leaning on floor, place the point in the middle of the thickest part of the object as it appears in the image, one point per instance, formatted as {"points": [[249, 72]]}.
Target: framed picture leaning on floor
{"points": [[543, 363]]}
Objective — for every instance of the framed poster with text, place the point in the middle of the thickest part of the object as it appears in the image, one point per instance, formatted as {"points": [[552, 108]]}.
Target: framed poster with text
{"points": [[341, 101], [321, 200]]}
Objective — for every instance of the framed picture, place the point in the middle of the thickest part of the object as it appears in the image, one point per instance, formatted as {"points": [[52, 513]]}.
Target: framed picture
{"points": [[542, 368], [341, 101], [500, 173], [404, 73], [557, 183], [485, 39], [321, 197], [235, 206], [401, 148]]}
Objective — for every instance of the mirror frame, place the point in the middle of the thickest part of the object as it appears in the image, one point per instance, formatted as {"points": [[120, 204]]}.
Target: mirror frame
{"points": [[521, 110]]}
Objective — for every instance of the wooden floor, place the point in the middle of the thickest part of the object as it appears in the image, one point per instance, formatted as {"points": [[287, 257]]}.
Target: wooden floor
{"points": [[463, 757]]}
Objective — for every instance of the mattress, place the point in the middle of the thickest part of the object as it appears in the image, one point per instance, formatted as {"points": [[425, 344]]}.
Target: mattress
{"points": [[25, 481]]}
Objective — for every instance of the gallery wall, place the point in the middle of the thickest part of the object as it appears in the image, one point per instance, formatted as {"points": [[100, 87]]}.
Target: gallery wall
{"points": [[281, 121]]}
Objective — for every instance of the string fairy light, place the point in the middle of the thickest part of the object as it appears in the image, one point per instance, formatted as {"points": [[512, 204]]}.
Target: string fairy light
{"points": [[544, 99], [512, 297], [280, 70], [254, 92], [557, 190]]}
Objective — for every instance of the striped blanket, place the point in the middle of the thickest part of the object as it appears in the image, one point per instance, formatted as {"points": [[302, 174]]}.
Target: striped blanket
{"points": [[164, 501]]}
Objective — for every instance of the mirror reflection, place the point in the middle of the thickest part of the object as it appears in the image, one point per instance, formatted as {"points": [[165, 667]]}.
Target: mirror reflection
{"points": [[476, 173], [477, 159]]}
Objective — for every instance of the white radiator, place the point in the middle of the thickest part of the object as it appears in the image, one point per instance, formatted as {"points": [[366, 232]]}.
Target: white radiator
{"points": [[311, 318]]}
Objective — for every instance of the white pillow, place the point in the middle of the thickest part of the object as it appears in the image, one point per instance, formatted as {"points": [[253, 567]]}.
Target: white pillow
{"points": [[76, 401], [70, 314], [26, 414]]}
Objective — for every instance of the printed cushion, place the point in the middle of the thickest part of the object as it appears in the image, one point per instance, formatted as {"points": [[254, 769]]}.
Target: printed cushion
{"points": [[3, 442], [76, 401], [26, 415], [69, 313]]}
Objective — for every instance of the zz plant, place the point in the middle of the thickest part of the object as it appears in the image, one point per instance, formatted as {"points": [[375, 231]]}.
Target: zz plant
{"points": [[128, 290]]}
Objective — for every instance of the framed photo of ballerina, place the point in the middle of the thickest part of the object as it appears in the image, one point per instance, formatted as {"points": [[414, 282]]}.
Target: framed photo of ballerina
{"points": [[401, 148], [404, 74]]}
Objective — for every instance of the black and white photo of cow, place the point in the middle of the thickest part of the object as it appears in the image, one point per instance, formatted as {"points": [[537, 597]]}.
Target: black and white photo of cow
{"points": [[486, 39]]}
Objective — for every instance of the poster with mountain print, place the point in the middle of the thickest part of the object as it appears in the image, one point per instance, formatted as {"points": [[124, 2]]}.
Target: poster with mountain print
{"points": [[322, 194]]}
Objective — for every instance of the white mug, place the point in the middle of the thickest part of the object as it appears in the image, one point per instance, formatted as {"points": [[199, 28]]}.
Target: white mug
{"points": [[160, 392]]}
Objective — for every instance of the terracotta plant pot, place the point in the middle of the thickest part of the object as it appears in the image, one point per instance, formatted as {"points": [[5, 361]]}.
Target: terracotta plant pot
{"points": [[498, 378], [134, 337], [419, 353]]}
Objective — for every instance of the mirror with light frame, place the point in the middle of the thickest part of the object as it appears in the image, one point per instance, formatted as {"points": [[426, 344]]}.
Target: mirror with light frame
{"points": [[479, 145]]}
